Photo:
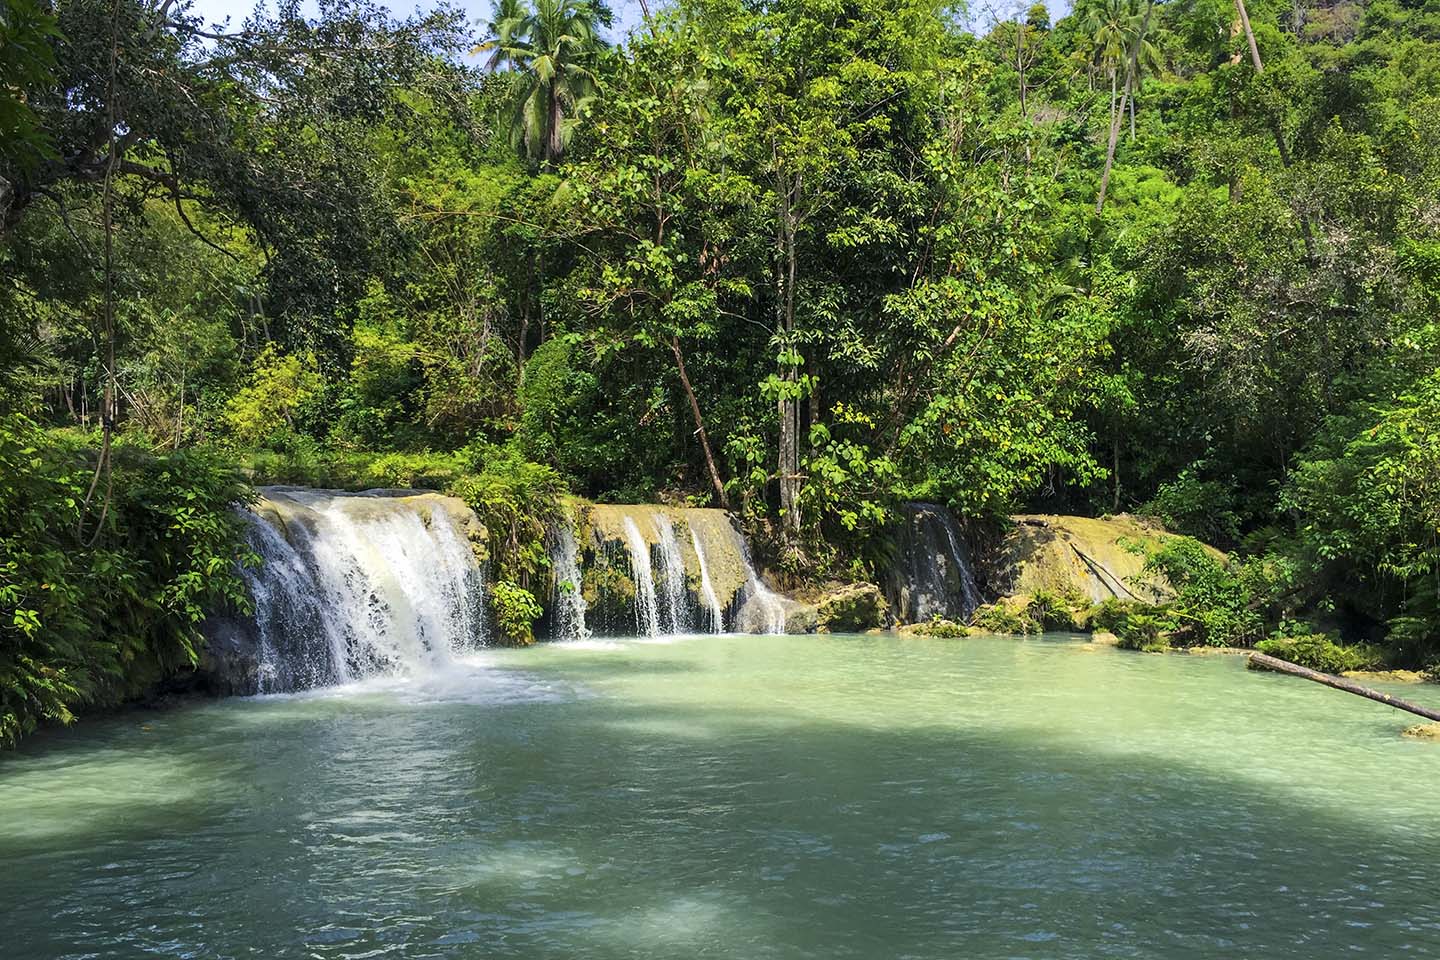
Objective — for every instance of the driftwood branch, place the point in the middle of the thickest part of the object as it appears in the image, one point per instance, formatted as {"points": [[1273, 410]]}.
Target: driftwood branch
{"points": [[1261, 661]]}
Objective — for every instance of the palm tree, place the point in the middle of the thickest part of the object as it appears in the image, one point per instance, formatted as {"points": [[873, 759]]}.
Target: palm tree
{"points": [[1120, 38], [502, 33], [555, 45], [1111, 25], [1145, 60]]}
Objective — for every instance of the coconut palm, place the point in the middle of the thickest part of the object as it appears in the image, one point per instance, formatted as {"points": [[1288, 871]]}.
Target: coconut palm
{"points": [[502, 33], [555, 46], [1111, 25], [1121, 40], [1145, 60]]}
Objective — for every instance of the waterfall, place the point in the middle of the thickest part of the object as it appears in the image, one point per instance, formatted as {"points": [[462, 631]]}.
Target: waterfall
{"points": [[707, 589], [647, 612], [569, 601], [960, 556], [672, 577], [651, 579], [763, 607], [932, 576], [297, 645], [357, 585]]}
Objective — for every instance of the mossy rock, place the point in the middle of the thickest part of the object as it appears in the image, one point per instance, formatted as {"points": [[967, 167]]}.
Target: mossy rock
{"points": [[609, 594], [1078, 556], [1006, 616], [802, 618], [936, 627], [851, 609], [1423, 731]]}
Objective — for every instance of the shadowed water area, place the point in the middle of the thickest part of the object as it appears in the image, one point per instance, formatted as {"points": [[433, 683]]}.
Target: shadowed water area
{"points": [[739, 797]]}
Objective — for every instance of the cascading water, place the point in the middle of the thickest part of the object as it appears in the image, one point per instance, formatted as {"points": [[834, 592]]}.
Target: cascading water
{"points": [[650, 579], [647, 612], [969, 590], [707, 589], [762, 606], [569, 602], [297, 645], [932, 576], [355, 586], [672, 587]]}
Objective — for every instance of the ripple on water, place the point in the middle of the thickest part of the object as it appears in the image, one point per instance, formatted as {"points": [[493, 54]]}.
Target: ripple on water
{"points": [[738, 797]]}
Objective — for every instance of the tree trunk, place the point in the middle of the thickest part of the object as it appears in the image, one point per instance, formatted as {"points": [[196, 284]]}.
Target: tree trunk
{"points": [[1260, 661], [1249, 36], [813, 371], [1117, 117], [1115, 469], [520, 348], [1275, 128], [699, 424], [554, 145], [789, 404]]}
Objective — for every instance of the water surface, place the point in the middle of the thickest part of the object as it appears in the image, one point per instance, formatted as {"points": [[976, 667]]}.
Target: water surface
{"points": [[739, 797]]}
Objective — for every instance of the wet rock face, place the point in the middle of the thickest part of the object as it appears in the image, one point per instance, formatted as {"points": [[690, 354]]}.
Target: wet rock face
{"points": [[231, 662], [654, 569], [932, 574]]}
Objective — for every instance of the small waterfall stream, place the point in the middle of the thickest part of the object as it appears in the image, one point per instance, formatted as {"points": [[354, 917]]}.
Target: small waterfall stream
{"points": [[672, 577], [569, 601], [707, 589], [960, 556], [354, 586], [647, 608], [932, 575], [762, 605]]}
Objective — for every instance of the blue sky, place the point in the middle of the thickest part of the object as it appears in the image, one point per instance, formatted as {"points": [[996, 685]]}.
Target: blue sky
{"points": [[627, 12]]}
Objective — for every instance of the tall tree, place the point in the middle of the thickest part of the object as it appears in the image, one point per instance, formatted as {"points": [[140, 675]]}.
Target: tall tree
{"points": [[1121, 38], [556, 45]]}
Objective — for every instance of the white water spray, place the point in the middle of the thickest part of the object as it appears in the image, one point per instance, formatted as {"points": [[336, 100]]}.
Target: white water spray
{"points": [[769, 607], [569, 601], [647, 613], [360, 586], [932, 576], [672, 577], [707, 589]]}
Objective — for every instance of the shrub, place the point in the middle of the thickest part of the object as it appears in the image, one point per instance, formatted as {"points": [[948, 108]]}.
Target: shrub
{"points": [[1197, 507], [517, 500], [1319, 652], [516, 611], [938, 626], [1137, 625], [1110, 613], [97, 604], [279, 387], [1213, 604], [1050, 611], [1144, 631], [1003, 619]]}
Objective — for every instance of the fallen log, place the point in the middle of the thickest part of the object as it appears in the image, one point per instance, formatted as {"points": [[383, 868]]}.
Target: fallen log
{"points": [[1261, 661]]}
